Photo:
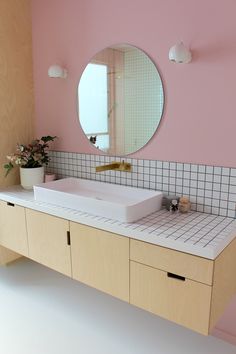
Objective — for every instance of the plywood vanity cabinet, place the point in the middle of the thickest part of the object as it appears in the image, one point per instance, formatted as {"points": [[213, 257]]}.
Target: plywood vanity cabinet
{"points": [[180, 287], [186, 289], [7, 256], [13, 234], [48, 241], [100, 259]]}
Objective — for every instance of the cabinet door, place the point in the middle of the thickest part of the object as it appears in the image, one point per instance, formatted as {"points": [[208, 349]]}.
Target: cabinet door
{"points": [[180, 300], [48, 241], [13, 233], [100, 259]]}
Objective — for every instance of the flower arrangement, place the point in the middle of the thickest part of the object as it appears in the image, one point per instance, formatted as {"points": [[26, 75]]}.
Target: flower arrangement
{"points": [[32, 155]]}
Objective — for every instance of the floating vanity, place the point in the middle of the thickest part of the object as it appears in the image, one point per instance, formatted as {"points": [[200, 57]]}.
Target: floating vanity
{"points": [[179, 266]]}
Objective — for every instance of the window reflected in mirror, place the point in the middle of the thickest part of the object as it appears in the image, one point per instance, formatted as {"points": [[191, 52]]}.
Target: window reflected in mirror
{"points": [[120, 100]]}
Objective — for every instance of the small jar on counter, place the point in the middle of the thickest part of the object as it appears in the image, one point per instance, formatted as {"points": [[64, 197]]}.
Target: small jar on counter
{"points": [[49, 177], [171, 202], [184, 205]]}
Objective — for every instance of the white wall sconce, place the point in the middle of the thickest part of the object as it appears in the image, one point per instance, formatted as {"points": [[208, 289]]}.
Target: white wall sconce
{"points": [[56, 71], [180, 54]]}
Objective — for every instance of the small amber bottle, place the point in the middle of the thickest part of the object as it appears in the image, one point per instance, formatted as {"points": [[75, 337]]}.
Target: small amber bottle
{"points": [[184, 205]]}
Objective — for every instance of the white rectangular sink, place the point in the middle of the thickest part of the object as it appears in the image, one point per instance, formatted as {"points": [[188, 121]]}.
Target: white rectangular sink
{"points": [[126, 204]]}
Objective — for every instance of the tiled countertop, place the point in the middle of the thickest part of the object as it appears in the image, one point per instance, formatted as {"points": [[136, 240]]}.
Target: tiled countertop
{"points": [[200, 234]]}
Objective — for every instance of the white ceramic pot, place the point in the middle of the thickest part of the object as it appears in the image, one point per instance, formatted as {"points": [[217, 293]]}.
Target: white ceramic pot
{"points": [[31, 176]]}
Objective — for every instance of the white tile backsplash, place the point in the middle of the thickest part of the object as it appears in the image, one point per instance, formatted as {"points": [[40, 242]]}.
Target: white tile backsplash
{"points": [[225, 171], [209, 169], [211, 189]]}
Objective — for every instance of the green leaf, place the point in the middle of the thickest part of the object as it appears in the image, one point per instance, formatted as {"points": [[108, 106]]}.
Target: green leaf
{"points": [[8, 167], [48, 138]]}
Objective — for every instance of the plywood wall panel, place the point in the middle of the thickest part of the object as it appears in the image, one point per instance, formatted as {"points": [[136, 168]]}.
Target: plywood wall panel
{"points": [[16, 80]]}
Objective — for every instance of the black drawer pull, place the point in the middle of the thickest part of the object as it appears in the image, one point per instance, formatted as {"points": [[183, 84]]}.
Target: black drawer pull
{"points": [[175, 276], [10, 204], [68, 238]]}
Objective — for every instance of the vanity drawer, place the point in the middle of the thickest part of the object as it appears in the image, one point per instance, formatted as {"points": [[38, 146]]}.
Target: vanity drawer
{"points": [[185, 302], [183, 264]]}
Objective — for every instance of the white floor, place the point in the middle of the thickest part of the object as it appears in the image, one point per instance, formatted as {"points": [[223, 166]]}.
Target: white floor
{"points": [[43, 312]]}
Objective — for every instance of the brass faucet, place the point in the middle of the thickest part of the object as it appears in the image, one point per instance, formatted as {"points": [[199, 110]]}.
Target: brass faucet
{"points": [[116, 166]]}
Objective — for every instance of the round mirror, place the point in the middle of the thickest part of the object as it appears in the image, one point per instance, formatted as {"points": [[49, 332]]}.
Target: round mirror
{"points": [[120, 100]]}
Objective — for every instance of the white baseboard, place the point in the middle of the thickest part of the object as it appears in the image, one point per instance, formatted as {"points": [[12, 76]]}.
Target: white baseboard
{"points": [[227, 337]]}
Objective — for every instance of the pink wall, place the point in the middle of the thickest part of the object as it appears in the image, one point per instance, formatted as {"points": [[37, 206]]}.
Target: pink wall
{"points": [[199, 122], [226, 326]]}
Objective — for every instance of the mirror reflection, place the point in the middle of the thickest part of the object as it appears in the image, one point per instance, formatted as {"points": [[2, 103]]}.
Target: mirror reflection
{"points": [[120, 100]]}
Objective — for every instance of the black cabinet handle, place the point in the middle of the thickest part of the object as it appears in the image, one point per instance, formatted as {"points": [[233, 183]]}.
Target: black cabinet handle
{"points": [[68, 238], [175, 276], [10, 204]]}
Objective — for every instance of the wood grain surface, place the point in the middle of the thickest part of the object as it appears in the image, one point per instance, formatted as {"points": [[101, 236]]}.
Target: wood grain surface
{"points": [[16, 80]]}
